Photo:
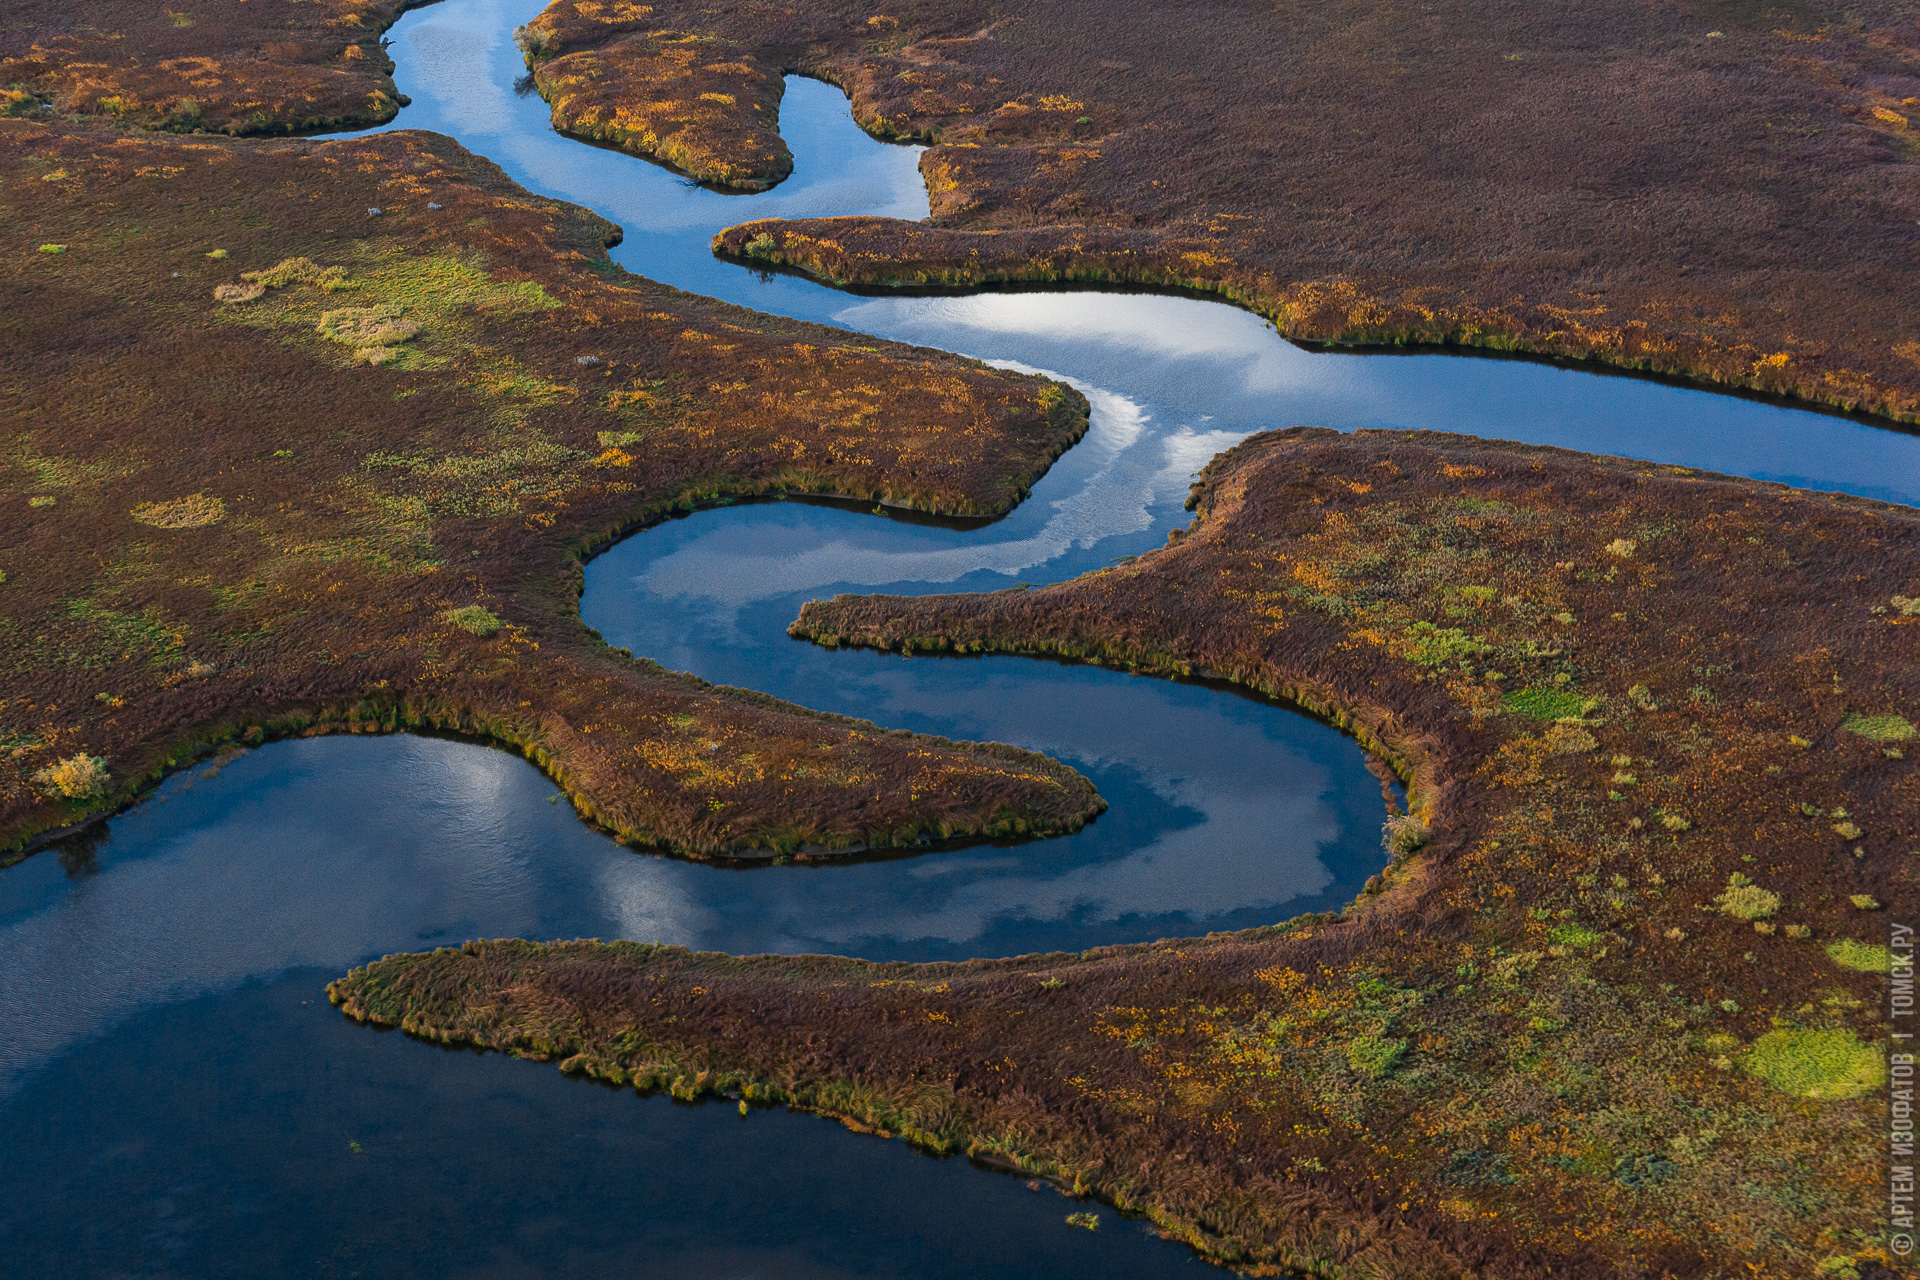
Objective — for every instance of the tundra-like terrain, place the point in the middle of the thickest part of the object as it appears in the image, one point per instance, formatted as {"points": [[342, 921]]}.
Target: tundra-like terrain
{"points": [[314, 436], [1613, 1010]]}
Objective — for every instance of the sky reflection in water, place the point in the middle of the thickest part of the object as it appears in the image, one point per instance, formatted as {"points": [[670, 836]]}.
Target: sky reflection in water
{"points": [[202, 1115]]}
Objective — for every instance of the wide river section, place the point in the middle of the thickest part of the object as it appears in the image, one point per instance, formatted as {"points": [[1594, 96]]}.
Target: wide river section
{"points": [[178, 1099]]}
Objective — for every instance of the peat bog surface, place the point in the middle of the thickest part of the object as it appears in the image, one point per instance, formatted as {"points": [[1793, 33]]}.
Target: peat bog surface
{"points": [[214, 66], [1722, 189], [308, 436], [1611, 1011]]}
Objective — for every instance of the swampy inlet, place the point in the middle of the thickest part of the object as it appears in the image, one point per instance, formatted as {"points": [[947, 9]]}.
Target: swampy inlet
{"points": [[1038, 640]]}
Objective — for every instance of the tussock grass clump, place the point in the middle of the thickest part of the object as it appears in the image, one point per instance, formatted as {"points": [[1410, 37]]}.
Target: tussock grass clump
{"points": [[237, 293], [194, 511], [300, 271], [1569, 740], [1402, 834], [1744, 900], [80, 777], [1822, 1065], [475, 619], [1864, 956], [1882, 728], [366, 327], [1622, 548]]}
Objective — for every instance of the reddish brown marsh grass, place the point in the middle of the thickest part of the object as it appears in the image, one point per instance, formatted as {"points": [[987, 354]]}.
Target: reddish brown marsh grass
{"points": [[1726, 191], [269, 460], [224, 66], [1549, 1041]]}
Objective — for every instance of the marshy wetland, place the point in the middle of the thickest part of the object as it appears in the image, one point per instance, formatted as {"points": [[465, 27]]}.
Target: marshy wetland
{"points": [[1496, 620]]}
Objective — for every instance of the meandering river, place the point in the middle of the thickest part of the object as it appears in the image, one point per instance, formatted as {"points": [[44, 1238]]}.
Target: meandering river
{"points": [[176, 1097]]}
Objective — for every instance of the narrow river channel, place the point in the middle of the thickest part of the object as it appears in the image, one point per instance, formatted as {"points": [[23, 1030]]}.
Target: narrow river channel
{"points": [[176, 1096]]}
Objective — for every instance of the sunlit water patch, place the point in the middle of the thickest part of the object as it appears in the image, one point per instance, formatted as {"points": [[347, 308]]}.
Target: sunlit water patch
{"points": [[1184, 363], [175, 1096]]}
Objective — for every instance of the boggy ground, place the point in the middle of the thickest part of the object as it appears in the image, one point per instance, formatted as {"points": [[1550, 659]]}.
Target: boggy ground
{"points": [[274, 464], [1725, 189], [219, 66], [1620, 1016]]}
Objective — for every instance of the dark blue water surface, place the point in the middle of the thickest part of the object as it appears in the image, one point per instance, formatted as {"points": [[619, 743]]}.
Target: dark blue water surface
{"points": [[177, 1098]]}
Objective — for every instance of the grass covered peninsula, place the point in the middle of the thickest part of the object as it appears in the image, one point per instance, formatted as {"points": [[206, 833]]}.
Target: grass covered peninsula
{"points": [[1613, 1008], [1725, 190], [304, 437]]}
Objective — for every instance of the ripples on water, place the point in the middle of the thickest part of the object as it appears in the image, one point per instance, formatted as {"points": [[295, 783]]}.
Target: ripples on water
{"points": [[177, 1098]]}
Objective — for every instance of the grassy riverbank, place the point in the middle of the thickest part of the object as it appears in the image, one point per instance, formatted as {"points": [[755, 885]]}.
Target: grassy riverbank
{"points": [[316, 436], [215, 66], [1724, 192], [1616, 1015]]}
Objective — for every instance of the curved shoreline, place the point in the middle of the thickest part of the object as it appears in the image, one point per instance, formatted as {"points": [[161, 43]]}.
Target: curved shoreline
{"points": [[811, 248], [1236, 1088], [1156, 182], [524, 501], [1323, 1217]]}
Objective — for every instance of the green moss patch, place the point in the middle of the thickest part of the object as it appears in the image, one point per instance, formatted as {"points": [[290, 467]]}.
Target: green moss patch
{"points": [[1883, 728], [1823, 1065], [1544, 704], [1432, 646], [474, 619], [1864, 956], [444, 300], [1574, 935], [1375, 1056]]}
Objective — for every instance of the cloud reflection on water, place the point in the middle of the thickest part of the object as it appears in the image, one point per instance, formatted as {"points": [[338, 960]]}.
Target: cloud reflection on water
{"points": [[277, 863]]}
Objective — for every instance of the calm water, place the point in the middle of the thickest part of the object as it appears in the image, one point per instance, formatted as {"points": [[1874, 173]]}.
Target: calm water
{"points": [[176, 1098]]}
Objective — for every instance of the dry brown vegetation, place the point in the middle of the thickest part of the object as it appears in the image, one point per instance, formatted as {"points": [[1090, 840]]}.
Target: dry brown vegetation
{"points": [[265, 455], [1725, 189], [611, 78], [1659, 727], [223, 66]]}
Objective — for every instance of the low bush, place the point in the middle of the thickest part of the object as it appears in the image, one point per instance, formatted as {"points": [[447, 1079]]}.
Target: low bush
{"points": [[1375, 1056], [1402, 834], [80, 777], [474, 619]]}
